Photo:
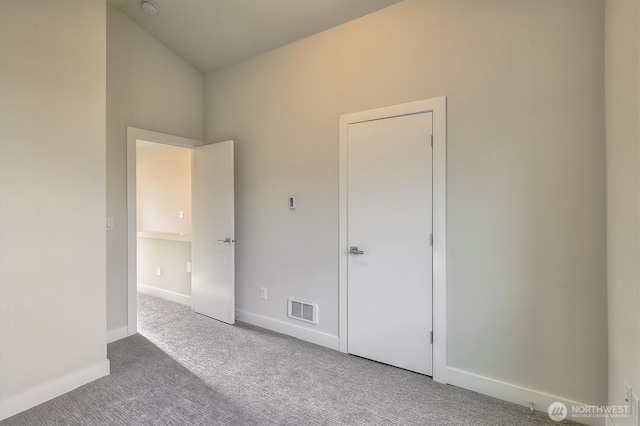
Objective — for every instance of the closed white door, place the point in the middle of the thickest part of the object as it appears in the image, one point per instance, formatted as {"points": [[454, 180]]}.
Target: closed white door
{"points": [[389, 289], [213, 241]]}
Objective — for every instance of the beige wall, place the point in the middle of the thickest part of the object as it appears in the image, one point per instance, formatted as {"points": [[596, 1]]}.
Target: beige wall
{"points": [[172, 257], [623, 187], [526, 176], [52, 202], [148, 87], [163, 188]]}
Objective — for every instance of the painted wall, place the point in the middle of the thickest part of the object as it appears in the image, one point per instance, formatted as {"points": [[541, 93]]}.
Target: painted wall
{"points": [[623, 190], [172, 256], [526, 174], [163, 188], [148, 87], [52, 202]]}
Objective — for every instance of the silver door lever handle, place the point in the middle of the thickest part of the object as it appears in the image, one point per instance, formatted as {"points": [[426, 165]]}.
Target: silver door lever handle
{"points": [[355, 250], [225, 241]]}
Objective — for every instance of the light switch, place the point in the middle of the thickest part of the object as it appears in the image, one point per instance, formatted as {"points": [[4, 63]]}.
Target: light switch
{"points": [[181, 215], [110, 224], [292, 203]]}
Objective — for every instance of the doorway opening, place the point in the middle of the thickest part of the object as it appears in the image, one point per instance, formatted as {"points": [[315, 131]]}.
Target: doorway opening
{"points": [[180, 223], [163, 221]]}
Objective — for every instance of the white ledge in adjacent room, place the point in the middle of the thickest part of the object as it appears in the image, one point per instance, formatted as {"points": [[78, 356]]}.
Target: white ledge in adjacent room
{"points": [[164, 236]]}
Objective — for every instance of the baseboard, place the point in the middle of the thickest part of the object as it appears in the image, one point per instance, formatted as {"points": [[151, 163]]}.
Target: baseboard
{"points": [[52, 389], [164, 294], [302, 333], [117, 334], [621, 421], [515, 394]]}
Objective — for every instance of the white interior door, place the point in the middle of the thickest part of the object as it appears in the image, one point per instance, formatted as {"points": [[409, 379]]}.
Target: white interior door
{"points": [[212, 247], [389, 271]]}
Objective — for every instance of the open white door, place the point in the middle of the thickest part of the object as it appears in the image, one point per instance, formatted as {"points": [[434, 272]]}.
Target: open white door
{"points": [[212, 247]]}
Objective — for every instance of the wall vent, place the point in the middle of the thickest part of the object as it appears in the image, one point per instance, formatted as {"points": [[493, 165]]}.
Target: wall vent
{"points": [[303, 311]]}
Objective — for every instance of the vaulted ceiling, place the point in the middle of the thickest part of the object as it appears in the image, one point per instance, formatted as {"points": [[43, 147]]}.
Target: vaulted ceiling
{"points": [[214, 34]]}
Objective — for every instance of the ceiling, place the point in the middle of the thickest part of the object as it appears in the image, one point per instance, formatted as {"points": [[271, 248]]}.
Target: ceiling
{"points": [[214, 34]]}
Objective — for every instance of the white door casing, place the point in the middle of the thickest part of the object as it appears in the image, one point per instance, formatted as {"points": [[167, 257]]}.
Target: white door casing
{"points": [[437, 107], [389, 229], [213, 240]]}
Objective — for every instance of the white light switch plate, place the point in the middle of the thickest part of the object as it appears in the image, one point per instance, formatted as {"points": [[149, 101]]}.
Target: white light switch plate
{"points": [[110, 224]]}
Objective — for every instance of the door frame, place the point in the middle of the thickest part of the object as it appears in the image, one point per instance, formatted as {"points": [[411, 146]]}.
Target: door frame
{"points": [[438, 107], [134, 134]]}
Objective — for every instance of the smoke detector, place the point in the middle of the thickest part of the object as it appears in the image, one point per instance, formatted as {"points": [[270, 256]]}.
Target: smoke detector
{"points": [[149, 8]]}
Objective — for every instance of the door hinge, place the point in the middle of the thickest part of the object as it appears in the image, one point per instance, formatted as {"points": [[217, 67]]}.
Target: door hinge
{"points": [[431, 336], [431, 239], [432, 141]]}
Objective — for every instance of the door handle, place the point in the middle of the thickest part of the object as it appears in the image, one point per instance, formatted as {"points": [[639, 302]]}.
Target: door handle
{"points": [[355, 250], [225, 241]]}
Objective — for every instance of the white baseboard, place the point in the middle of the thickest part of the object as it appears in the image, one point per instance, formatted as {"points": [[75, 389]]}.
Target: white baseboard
{"points": [[515, 394], [52, 389], [164, 294], [621, 421], [294, 330], [117, 334]]}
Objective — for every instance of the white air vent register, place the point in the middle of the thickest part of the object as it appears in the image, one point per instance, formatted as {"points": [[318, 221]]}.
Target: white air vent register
{"points": [[303, 311]]}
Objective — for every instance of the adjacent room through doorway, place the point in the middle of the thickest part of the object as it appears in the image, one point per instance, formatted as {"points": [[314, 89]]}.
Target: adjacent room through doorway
{"points": [[163, 221]]}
